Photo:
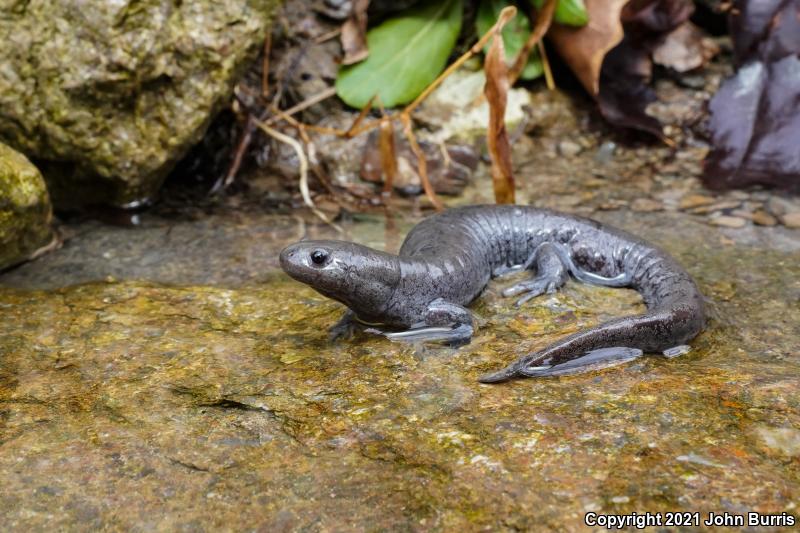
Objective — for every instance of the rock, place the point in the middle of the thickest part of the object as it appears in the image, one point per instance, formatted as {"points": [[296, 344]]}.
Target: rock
{"points": [[569, 148], [695, 200], [783, 441], [458, 110], [779, 206], [762, 218], [728, 221], [791, 220], [112, 94], [646, 205], [717, 206], [25, 212]]}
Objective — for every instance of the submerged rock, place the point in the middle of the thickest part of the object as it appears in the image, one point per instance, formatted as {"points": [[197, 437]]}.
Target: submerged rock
{"points": [[111, 94], [24, 208]]}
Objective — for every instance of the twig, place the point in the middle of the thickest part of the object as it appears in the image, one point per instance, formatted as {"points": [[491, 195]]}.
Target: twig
{"points": [[265, 66], [543, 21], [327, 36], [301, 156], [308, 102], [548, 74], [364, 110], [238, 156], [422, 163]]}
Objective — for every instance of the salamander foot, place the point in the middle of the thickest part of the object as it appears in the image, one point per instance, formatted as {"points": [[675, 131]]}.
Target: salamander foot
{"points": [[533, 288], [442, 322]]}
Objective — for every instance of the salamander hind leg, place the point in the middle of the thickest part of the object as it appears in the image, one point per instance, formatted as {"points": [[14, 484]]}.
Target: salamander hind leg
{"points": [[551, 274], [442, 322]]}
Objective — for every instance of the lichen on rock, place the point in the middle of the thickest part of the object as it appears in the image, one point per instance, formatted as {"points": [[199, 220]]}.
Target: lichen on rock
{"points": [[24, 208], [109, 95]]}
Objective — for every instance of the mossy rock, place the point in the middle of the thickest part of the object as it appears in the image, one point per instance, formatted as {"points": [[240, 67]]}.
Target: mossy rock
{"points": [[107, 96], [25, 212]]}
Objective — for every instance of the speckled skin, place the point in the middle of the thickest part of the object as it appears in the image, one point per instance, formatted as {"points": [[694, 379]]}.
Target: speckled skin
{"points": [[450, 257]]}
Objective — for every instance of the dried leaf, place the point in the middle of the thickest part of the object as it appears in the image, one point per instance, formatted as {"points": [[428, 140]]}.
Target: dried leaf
{"points": [[569, 12], [406, 54], [354, 34], [496, 91], [583, 49], [685, 48], [514, 33], [386, 145], [611, 56], [755, 115]]}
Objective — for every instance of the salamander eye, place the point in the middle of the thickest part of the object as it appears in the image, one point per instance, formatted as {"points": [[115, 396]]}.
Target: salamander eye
{"points": [[319, 257]]}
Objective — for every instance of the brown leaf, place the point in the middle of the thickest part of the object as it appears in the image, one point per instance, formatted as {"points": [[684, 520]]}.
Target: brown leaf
{"points": [[354, 34], [685, 48], [583, 49], [611, 56], [386, 145], [544, 19], [496, 91]]}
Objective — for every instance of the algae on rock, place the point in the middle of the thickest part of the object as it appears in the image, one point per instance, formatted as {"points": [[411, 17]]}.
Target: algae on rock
{"points": [[109, 95], [24, 208]]}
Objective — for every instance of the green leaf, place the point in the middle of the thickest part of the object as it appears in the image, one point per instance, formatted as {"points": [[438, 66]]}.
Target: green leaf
{"points": [[569, 12], [515, 33], [406, 53]]}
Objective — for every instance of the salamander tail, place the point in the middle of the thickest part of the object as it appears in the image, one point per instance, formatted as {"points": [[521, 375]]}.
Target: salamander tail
{"points": [[606, 345]]}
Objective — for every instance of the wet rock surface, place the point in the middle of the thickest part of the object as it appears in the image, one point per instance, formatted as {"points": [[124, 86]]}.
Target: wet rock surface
{"points": [[222, 404], [25, 213], [111, 94], [168, 376]]}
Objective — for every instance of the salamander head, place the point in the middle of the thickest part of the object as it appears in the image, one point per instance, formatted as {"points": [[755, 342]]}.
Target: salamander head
{"points": [[361, 278]]}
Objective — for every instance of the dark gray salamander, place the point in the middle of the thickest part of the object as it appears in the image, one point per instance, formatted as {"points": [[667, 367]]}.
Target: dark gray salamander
{"points": [[448, 259]]}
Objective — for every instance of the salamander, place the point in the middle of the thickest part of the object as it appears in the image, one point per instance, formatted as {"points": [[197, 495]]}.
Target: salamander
{"points": [[447, 260]]}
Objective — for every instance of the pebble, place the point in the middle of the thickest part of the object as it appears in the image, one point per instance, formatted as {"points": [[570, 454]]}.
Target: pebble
{"points": [[762, 218], [781, 206], [569, 148], [718, 206], [791, 220], [646, 205], [785, 440], [605, 153], [695, 200], [728, 221]]}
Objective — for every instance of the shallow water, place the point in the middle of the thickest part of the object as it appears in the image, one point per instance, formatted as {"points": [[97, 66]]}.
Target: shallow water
{"points": [[208, 396]]}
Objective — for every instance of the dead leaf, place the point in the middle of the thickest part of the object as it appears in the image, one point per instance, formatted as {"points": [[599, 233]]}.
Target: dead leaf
{"points": [[354, 34], [611, 56], [685, 48], [544, 19], [583, 49], [755, 115], [386, 145], [496, 91]]}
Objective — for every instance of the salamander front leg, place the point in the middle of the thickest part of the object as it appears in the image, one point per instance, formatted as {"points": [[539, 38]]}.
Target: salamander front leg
{"points": [[442, 322], [551, 274], [344, 328]]}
